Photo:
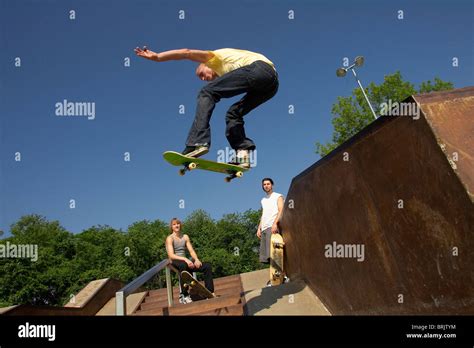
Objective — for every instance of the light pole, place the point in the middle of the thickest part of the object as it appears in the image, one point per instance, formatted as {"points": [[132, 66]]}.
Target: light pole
{"points": [[341, 72]]}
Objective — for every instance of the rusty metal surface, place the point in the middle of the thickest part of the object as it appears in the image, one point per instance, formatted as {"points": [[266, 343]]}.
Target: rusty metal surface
{"points": [[451, 116], [399, 198]]}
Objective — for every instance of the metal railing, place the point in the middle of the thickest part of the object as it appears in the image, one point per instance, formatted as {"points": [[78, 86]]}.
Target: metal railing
{"points": [[121, 295]]}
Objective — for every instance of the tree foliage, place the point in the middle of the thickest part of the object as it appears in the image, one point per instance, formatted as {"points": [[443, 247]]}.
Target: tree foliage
{"points": [[351, 114]]}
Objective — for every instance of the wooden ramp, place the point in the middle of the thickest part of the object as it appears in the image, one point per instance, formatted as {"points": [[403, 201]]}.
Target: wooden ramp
{"points": [[230, 301]]}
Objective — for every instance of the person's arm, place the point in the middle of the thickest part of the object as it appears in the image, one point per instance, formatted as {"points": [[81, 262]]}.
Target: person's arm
{"points": [[171, 254], [183, 53], [193, 254], [280, 203], [259, 229]]}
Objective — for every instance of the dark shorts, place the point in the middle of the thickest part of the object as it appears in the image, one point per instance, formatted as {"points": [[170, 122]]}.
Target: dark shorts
{"points": [[265, 240]]}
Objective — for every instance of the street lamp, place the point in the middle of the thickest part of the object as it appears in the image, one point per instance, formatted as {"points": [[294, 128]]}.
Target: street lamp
{"points": [[341, 72]]}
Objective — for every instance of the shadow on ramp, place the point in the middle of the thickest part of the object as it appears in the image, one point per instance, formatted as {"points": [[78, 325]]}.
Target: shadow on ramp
{"points": [[293, 298]]}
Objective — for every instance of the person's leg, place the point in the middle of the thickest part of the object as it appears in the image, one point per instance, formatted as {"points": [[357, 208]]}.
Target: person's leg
{"points": [[206, 269], [181, 266], [226, 86], [264, 255], [235, 131], [264, 87]]}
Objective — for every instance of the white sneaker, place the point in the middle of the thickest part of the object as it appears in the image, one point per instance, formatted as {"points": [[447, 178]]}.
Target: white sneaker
{"points": [[243, 158], [195, 151], [185, 299]]}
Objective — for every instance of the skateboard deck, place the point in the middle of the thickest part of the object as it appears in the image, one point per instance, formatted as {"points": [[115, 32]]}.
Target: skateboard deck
{"points": [[196, 290], [191, 163], [276, 259]]}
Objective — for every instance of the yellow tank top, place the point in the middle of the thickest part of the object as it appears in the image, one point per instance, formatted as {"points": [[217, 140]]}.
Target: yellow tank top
{"points": [[229, 59]]}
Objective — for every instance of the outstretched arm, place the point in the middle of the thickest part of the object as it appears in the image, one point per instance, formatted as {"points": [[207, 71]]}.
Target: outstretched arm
{"points": [[183, 53]]}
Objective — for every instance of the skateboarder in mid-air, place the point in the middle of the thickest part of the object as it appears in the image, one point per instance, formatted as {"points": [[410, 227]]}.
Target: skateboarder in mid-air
{"points": [[231, 72], [176, 245]]}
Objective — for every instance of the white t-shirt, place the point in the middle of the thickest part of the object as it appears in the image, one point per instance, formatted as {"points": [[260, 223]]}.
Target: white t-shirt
{"points": [[270, 209]]}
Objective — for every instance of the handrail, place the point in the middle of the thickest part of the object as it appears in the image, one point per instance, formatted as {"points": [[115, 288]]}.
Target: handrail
{"points": [[121, 295]]}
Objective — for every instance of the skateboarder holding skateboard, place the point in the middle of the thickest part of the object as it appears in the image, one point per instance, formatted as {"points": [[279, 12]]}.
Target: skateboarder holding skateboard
{"points": [[176, 246], [230, 72], [272, 208]]}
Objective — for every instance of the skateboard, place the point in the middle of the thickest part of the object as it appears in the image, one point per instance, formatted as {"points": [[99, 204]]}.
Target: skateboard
{"points": [[276, 259], [191, 163], [196, 290]]}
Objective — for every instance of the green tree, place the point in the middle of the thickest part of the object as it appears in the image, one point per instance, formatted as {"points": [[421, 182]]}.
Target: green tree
{"points": [[37, 281], [351, 114], [146, 247], [229, 244], [99, 253]]}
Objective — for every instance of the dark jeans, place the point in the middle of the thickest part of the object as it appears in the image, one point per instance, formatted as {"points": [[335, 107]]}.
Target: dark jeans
{"points": [[260, 83], [205, 268]]}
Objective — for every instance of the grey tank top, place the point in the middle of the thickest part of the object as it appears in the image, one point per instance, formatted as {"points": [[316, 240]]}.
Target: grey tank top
{"points": [[179, 247]]}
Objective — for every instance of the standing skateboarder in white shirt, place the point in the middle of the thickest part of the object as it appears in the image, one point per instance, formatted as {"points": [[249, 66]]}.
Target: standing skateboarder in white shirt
{"points": [[272, 208]]}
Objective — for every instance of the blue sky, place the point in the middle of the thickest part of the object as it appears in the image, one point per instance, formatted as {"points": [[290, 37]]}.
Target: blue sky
{"points": [[82, 60]]}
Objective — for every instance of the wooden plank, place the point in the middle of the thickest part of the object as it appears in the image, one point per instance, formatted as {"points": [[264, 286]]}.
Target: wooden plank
{"points": [[154, 311], [235, 310], [163, 301], [203, 306]]}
